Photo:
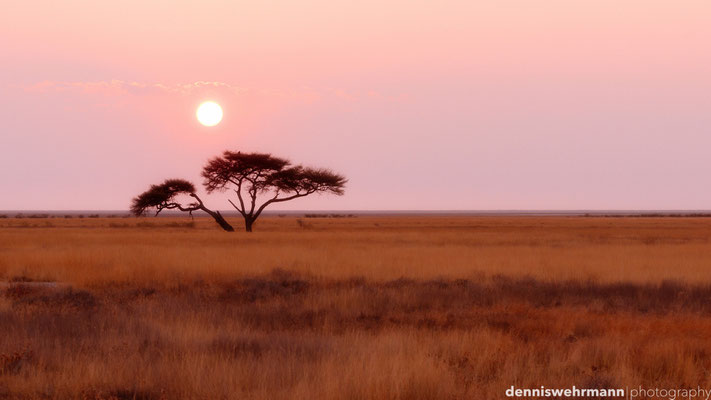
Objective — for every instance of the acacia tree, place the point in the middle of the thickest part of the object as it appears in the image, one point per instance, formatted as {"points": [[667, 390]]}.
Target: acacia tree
{"points": [[255, 175], [163, 197]]}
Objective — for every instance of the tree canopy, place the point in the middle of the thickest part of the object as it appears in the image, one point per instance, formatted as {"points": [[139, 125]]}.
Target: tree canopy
{"points": [[257, 179], [163, 197], [251, 175]]}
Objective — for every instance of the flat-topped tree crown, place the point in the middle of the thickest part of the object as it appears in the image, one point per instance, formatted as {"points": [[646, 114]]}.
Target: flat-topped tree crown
{"points": [[304, 180], [164, 197], [232, 168], [252, 174]]}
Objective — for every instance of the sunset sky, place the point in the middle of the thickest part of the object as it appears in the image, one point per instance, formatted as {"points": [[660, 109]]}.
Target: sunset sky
{"points": [[501, 104]]}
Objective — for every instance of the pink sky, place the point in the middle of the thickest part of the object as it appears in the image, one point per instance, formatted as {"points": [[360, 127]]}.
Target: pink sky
{"points": [[501, 104]]}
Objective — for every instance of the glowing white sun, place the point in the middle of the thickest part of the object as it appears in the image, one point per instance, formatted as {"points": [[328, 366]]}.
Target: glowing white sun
{"points": [[209, 113]]}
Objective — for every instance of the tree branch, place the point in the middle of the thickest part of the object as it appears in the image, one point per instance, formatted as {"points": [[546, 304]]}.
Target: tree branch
{"points": [[239, 195], [276, 200], [237, 208]]}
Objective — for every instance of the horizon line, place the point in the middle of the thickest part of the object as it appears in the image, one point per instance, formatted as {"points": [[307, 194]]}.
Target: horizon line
{"points": [[385, 211]]}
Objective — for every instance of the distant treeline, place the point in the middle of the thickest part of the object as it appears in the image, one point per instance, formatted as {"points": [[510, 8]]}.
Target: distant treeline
{"points": [[21, 215], [46, 215], [650, 215], [329, 215], [335, 215]]}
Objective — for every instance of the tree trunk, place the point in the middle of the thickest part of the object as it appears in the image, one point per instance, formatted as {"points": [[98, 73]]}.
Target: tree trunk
{"points": [[220, 220], [248, 222]]}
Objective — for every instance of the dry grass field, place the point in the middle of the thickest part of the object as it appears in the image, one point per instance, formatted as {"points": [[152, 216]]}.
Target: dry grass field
{"points": [[351, 308]]}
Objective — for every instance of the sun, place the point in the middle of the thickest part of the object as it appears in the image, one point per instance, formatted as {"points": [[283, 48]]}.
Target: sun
{"points": [[209, 113]]}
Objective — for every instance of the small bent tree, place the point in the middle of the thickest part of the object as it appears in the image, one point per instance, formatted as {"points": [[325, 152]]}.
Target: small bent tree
{"points": [[251, 175], [163, 197]]}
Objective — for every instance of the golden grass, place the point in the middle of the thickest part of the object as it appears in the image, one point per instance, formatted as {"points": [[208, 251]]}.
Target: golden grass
{"points": [[356, 308], [91, 251]]}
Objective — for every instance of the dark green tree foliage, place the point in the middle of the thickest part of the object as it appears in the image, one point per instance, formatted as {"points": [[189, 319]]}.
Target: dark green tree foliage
{"points": [[163, 197], [252, 176]]}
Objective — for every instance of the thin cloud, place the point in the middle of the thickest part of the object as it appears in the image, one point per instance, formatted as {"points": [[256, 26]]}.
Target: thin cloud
{"points": [[116, 86]]}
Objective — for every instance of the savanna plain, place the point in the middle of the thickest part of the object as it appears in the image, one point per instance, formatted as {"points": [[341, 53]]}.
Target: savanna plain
{"points": [[426, 307]]}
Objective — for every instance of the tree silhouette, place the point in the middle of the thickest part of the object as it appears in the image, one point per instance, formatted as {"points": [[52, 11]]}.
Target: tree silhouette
{"points": [[163, 197], [251, 175]]}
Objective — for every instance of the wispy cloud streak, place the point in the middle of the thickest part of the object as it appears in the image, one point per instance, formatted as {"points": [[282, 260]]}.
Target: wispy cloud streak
{"points": [[116, 86]]}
